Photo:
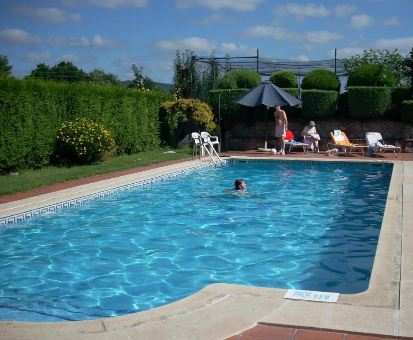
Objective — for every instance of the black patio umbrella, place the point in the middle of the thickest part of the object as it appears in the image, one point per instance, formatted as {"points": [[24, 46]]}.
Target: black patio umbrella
{"points": [[267, 94]]}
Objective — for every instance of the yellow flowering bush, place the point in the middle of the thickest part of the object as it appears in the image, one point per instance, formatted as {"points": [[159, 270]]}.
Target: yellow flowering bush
{"points": [[83, 141], [195, 114]]}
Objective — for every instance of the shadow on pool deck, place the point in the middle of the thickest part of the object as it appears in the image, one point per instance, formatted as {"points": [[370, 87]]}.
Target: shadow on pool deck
{"points": [[226, 309]]}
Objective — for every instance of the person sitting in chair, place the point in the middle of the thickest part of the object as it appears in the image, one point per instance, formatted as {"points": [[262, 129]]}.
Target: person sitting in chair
{"points": [[311, 136]]}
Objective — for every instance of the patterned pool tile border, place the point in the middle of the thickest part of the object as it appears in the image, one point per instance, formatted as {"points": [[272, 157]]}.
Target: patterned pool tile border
{"points": [[76, 202], [13, 219], [317, 163]]}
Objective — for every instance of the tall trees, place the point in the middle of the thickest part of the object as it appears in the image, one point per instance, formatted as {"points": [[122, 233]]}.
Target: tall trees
{"points": [[192, 79], [64, 71], [68, 72], [185, 80], [5, 68], [99, 77], [142, 82]]}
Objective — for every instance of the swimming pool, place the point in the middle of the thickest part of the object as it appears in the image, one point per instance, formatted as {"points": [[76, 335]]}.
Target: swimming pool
{"points": [[168, 240]]}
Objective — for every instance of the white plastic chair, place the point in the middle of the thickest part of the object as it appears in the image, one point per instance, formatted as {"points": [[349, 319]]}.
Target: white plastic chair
{"points": [[212, 140], [198, 143]]}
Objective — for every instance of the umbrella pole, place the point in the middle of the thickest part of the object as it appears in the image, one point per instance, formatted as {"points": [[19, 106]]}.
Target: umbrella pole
{"points": [[266, 129]]}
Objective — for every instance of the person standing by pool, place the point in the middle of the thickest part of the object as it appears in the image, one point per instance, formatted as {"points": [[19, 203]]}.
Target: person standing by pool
{"points": [[240, 184], [281, 124]]}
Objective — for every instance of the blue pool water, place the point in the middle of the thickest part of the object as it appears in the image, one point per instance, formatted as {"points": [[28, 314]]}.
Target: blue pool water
{"points": [[299, 225]]}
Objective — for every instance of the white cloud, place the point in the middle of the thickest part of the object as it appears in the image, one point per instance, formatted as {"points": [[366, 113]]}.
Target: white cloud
{"points": [[110, 4], [74, 58], [37, 56], [392, 21], [403, 45], [309, 10], [301, 57], [47, 15], [346, 52], [216, 18], [309, 48], [322, 37], [284, 34], [236, 5], [19, 37], [230, 48], [360, 21], [344, 10], [194, 44], [96, 41]]}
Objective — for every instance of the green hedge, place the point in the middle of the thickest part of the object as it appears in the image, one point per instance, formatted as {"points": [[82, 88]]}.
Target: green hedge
{"points": [[295, 92], [319, 103], [31, 111], [407, 111], [369, 102], [398, 95], [240, 79], [284, 79]]}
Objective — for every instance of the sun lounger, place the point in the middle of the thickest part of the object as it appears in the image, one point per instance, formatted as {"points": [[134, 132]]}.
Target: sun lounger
{"points": [[340, 141], [291, 144], [375, 141]]}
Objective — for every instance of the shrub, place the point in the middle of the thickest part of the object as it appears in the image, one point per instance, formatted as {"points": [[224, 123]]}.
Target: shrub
{"points": [[82, 142], [398, 95], [240, 79], [371, 75], [213, 129], [319, 103], [321, 80], [196, 114], [369, 102], [407, 111], [284, 79]]}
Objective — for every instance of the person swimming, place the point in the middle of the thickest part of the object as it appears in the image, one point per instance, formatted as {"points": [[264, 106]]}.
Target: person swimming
{"points": [[240, 184]]}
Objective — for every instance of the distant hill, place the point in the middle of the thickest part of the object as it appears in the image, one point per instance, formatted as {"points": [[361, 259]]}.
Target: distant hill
{"points": [[164, 86]]}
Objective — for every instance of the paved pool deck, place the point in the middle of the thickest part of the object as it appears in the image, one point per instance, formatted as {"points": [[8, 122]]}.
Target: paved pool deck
{"points": [[224, 311]]}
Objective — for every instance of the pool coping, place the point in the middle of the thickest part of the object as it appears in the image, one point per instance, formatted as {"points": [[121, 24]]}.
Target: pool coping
{"points": [[221, 310]]}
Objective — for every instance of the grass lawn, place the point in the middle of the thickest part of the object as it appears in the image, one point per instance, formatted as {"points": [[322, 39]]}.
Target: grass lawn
{"points": [[31, 179]]}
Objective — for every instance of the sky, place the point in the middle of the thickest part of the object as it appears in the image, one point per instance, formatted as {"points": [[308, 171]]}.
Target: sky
{"points": [[111, 35]]}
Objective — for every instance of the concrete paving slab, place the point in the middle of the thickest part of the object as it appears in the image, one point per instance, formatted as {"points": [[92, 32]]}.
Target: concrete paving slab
{"points": [[406, 296], [382, 321], [406, 324], [407, 242], [48, 330], [217, 321], [407, 266], [299, 313]]}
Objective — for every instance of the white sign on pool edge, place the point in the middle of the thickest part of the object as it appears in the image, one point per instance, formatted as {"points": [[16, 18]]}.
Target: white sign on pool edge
{"points": [[311, 295]]}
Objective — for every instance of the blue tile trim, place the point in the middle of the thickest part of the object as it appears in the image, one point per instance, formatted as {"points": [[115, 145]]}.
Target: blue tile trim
{"points": [[12, 219], [315, 163]]}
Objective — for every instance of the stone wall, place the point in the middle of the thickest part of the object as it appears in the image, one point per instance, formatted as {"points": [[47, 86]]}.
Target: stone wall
{"points": [[243, 136]]}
